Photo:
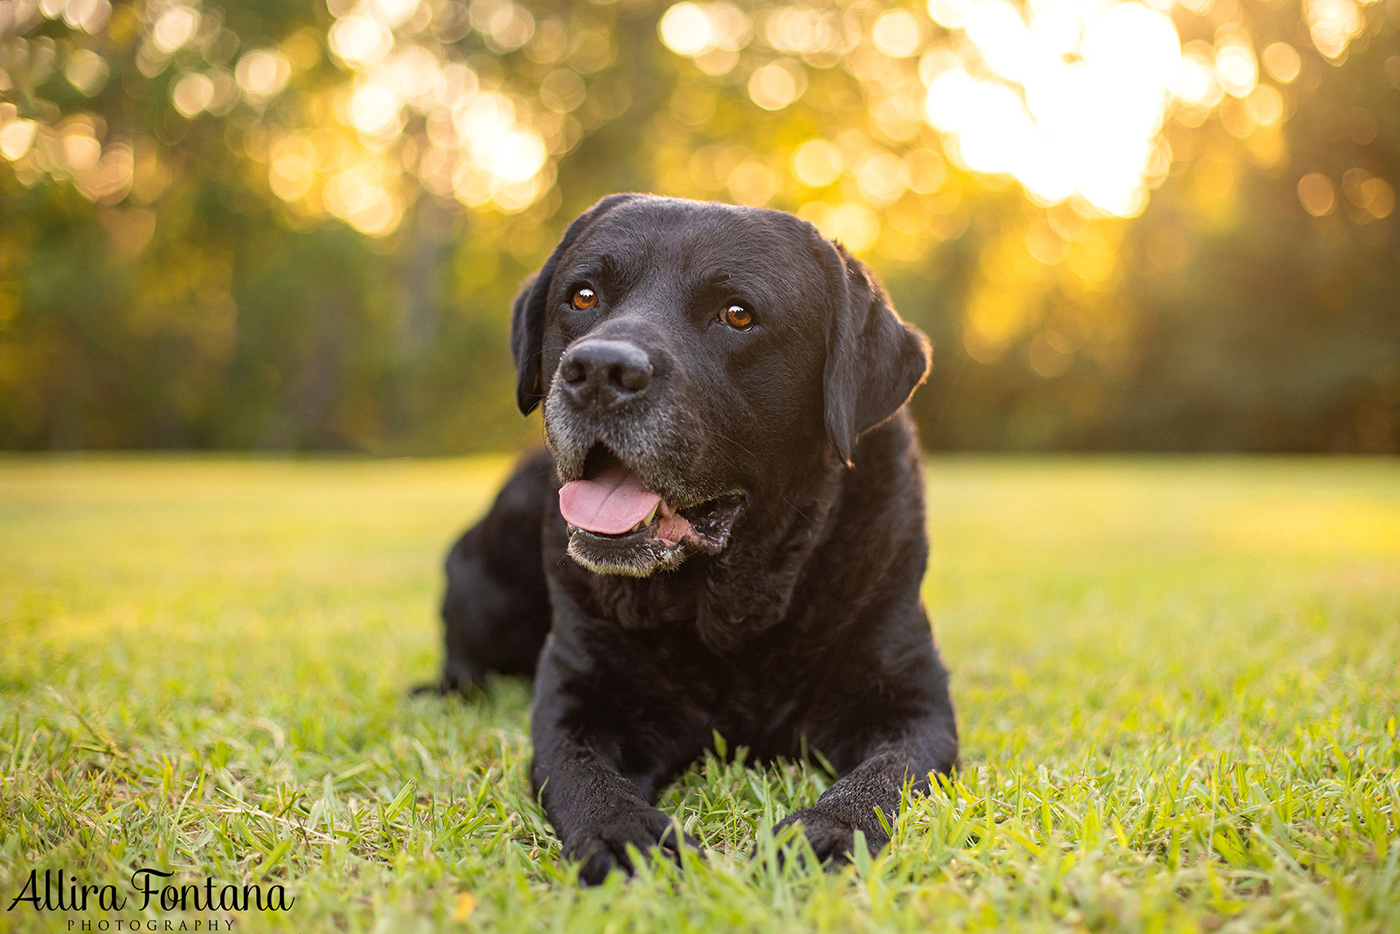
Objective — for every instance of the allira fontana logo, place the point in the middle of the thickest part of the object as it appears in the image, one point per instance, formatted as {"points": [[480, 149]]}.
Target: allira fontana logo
{"points": [[56, 890]]}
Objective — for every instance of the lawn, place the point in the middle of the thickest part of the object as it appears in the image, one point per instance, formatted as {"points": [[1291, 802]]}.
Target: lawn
{"points": [[1177, 681]]}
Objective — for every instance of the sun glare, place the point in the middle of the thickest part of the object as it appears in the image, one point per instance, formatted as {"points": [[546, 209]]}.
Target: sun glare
{"points": [[1068, 96]]}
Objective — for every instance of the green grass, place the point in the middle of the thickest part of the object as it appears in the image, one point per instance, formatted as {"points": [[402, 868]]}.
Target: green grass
{"points": [[1177, 680]]}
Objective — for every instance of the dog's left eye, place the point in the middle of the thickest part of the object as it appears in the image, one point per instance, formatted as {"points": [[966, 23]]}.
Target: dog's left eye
{"points": [[737, 317]]}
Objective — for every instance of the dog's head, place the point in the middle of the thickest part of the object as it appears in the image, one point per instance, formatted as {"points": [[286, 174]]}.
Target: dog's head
{"points": [[695, 361]]}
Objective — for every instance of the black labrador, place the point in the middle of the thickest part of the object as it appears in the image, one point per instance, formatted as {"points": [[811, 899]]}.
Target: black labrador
{"points": [[726, 533]]}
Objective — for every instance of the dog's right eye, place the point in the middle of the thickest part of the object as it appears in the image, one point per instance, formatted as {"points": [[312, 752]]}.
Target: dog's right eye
{"points": [[584, 299], [737, 317]]}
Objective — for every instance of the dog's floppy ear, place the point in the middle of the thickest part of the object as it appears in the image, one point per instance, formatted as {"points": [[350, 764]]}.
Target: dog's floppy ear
{"points": [[874, 361], [528, 314]]}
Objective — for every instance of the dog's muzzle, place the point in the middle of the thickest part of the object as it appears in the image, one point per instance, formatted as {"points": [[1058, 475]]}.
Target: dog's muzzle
{"points": [[626, 464]]}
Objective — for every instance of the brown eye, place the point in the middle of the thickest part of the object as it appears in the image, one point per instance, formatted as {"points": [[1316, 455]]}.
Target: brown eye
{"points": [[584, 299], [738, 317]]}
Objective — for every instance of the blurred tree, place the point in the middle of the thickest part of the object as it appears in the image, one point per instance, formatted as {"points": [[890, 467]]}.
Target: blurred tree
{"points": [[1165, 224]]}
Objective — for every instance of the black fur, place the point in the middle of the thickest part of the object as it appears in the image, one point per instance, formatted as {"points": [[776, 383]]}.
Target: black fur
{"points": [[496, 608], [798, 624], [528, 315]]}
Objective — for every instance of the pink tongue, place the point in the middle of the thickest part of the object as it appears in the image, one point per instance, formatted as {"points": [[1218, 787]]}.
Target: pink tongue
{"points": [[609, 504]]}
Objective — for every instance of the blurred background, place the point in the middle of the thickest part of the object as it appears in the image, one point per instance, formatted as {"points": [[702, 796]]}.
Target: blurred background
{"points": [[298, 224]]}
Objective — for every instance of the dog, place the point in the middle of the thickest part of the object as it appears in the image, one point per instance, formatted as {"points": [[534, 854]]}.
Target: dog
{"points": [[724, 535]]}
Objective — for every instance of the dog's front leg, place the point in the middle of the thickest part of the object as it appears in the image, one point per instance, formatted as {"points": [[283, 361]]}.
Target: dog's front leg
{"points": [[595, 809], [597, 812], [873, 788]]}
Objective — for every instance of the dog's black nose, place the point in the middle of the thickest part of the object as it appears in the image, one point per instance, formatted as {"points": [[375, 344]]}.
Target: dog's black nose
{"points": [[604, 373]]}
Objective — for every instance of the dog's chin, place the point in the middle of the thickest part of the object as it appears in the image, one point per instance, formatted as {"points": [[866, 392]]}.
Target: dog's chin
{"points": [[625, 555], [703, 529]]}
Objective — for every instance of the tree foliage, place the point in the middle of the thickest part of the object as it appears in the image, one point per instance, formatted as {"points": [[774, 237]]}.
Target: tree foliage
{"points": [[1164, 224]]}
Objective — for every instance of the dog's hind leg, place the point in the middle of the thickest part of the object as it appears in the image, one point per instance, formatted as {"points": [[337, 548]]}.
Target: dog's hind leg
{"points": [[495, 611]]}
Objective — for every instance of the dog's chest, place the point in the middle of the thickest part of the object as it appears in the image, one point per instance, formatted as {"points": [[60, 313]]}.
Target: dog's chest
{"points": [[763, 696]]}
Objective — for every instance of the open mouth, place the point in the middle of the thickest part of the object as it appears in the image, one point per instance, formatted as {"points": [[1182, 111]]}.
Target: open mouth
{"points": [[617, 524]]}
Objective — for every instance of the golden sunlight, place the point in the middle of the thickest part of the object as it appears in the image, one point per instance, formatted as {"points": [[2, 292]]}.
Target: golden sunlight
{"points": [[1067, 96]]}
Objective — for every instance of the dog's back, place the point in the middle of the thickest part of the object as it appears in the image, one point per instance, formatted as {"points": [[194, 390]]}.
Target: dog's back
{"points": [[495, 611]]}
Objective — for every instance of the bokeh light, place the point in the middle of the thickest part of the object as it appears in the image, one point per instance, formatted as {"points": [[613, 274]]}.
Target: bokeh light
{"points": [[1035, 160], [1282, 61], [1068, 98], [1317, 194]]}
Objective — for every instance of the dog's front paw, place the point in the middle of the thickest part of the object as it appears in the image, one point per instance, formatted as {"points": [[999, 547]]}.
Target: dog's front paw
{"points": [[832, 835], [602, 843]]}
